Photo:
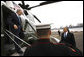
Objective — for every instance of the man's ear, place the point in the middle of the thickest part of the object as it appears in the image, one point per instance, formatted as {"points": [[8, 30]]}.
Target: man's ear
{"points": [[50, 32], [36, 33]]}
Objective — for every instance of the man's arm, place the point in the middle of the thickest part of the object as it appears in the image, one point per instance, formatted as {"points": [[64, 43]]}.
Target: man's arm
{"points": [[73, 40], [61, 38], [9, 21]]}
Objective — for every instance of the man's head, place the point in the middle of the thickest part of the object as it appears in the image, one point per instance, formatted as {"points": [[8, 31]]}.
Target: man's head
{"points": [[19, 12], [43, 31], [65, 29]]}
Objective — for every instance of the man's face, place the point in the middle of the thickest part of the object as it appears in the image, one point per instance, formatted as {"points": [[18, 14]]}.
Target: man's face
{"points": [[65, 29], [20, 12]]}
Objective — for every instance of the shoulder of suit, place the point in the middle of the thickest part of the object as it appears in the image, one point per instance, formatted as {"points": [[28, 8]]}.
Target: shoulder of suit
{"points": [[13, 13], [70, 33], [63, 33]]}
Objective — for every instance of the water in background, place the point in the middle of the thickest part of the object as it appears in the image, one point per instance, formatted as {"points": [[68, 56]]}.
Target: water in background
{"points": [[71, 29]]}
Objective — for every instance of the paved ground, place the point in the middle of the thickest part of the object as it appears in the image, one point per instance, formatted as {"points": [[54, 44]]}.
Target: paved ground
{"points": [[16, 54]]}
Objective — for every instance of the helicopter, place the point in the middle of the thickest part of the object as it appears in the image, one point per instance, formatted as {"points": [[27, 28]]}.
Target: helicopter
{"points": [[28, 24]]}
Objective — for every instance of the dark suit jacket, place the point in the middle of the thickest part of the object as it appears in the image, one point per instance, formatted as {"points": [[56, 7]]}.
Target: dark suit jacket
{"points": [[13, 19], [69, 39], [44, 48]]}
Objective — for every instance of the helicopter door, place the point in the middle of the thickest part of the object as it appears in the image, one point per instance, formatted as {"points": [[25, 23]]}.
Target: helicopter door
{"points": [[30, 18], [6, 12]]}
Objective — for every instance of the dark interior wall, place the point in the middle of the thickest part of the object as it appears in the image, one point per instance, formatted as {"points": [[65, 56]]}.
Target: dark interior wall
{"points": [[6, 13]]}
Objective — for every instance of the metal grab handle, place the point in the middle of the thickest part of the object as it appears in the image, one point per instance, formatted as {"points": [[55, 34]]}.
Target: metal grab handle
{"points": [[13, 41]]}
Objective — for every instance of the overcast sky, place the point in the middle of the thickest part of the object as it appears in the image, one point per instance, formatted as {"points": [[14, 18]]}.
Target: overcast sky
{"points": [[61, 13]]}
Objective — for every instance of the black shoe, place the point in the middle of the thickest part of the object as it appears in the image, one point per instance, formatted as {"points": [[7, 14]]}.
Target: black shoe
{"points": [[20, 52]]}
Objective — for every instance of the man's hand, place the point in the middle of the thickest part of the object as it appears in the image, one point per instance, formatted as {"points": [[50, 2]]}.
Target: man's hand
{"points": [[15, 27], [22, 29]]}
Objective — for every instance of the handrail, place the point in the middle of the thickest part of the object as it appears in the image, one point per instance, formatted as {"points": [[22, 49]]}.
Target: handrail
{"points": [[13, 41], [19, 38]]}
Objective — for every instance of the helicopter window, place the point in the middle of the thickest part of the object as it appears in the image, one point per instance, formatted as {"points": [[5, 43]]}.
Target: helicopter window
{"points": [[30, 27], [25, 12]]}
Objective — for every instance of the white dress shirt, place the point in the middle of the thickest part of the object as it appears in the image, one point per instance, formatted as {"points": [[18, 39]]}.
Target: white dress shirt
{"points": [[65, 34]]}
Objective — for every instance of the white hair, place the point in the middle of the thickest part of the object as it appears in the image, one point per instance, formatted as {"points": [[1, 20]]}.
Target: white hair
{"points": [[18, 10]]}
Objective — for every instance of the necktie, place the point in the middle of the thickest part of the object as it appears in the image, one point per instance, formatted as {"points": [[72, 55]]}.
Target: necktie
{"points": [[64, 35], [19, 19]]}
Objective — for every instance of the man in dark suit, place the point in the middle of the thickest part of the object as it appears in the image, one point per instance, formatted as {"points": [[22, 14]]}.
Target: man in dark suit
{"points": [[59, 32], [43, 46], [15, 27], [68, 38]]}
